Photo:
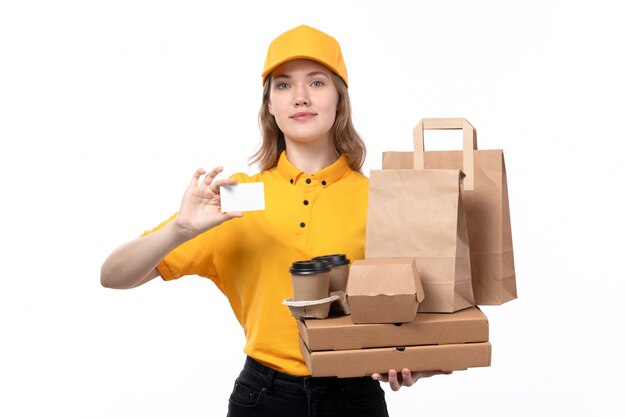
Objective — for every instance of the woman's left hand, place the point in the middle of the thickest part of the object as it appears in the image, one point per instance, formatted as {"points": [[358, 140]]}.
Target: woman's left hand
{"points": [[406, 378]]}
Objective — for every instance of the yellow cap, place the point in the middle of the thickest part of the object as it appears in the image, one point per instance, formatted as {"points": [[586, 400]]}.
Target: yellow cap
{"points": [[305, 42]]}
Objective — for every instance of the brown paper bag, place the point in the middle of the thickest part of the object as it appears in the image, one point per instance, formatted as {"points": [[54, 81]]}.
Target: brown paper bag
{"points": [[486, 201], [419, 214]]}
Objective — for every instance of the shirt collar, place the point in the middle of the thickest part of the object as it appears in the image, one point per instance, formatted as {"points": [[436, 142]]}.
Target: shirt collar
{"points": [[324, 177]]}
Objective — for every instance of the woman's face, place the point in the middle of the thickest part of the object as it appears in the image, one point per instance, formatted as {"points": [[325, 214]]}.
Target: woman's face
{"points": [[303, 100]]}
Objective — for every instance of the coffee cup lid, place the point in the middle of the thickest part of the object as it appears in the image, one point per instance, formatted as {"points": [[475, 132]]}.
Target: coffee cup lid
{"points": [[309, 267], [334, 260]]}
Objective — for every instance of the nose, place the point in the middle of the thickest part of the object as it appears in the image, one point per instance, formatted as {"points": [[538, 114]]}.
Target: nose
{"points": [[301, 101], [301, 97]]}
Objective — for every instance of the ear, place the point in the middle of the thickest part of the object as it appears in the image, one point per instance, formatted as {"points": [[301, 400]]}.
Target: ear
{"points": [[270, 109]]}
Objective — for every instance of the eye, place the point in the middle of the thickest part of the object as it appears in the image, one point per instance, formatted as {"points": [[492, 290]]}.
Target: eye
{"points": [[317, 84], [282, 86]]}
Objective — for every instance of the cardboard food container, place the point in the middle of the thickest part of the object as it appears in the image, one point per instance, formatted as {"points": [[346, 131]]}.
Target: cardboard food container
{"points": [[340, 307], [432, 341], [384, 290], [354, 363], [317, 309], [340, 333]]}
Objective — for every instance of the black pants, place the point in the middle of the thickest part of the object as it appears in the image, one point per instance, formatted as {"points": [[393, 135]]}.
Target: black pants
{"points": [[262, 391]]}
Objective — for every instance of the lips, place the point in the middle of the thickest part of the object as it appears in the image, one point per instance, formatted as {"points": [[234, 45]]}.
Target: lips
{"points": [[303, 115]]}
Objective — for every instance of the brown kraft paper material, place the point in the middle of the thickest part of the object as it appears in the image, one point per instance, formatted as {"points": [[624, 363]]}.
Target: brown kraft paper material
{"points": [[485, 195], [419, 214]]}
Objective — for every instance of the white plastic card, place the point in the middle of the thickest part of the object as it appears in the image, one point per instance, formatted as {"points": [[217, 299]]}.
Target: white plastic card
{"points": [[243, 197]]}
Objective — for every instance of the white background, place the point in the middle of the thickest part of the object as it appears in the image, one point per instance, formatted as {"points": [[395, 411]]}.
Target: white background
{"points": [[107, 108]]}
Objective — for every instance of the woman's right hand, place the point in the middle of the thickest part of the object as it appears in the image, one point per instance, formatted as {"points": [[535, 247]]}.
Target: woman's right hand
{"points": [[134, 263], [201, 208]]}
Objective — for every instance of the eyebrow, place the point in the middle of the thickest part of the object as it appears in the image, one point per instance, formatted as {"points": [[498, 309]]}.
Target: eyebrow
{"points": [[310, 74]]}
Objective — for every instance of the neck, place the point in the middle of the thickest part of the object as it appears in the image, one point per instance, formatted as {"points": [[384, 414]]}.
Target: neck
{"points": [[311, 157]]}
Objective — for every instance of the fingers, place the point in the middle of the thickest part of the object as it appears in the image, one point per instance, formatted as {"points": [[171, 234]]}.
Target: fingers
{"points": [[209, 179], [232, 215], [224, 217], [210, 176], [215, 187], [196, 176], [407, 378], [381, 378], [393, 380]]}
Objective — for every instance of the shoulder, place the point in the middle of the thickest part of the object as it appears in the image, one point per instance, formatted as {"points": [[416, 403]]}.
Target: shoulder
{"points": [[356, 179], [357, 176], [242, 177], [352, 189], [269, 177]]}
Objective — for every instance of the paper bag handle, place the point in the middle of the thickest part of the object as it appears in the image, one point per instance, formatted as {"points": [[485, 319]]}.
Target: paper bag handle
{"points": [[469, 144]]}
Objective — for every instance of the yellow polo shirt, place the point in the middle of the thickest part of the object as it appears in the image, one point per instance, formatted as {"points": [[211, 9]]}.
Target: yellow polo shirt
{"points": [[249, 258]]}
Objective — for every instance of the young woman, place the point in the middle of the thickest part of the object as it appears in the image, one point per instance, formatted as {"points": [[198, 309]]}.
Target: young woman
{"points": [[316, 204]]}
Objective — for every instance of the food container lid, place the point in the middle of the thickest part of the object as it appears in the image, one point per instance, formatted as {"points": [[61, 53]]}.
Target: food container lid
{"points": [[334, 260], [309, 267]]}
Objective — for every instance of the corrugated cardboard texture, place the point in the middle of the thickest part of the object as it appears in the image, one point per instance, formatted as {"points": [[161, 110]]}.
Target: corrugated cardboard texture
{"points": [[384, 290], [399, 308], [354, 363], [340, 333]]}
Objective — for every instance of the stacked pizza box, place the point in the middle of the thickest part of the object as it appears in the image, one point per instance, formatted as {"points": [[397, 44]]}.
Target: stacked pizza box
{"points": [[385, 331]]}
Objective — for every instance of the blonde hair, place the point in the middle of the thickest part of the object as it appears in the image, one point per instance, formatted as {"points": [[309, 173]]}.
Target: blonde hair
{"points": [[346, 139]]}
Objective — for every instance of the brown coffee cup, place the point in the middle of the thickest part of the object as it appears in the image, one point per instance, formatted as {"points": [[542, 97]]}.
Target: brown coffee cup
{"points": [[310, 280], [339, 265]]}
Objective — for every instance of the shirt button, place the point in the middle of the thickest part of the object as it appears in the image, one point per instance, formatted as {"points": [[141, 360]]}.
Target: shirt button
{"points": [[323, 182], [302, 224], [308, 180], [291, 181], [306, 202]]}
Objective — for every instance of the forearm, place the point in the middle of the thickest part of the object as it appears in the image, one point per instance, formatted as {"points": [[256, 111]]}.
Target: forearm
{"points": [[134, 263], [131, 264]]}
